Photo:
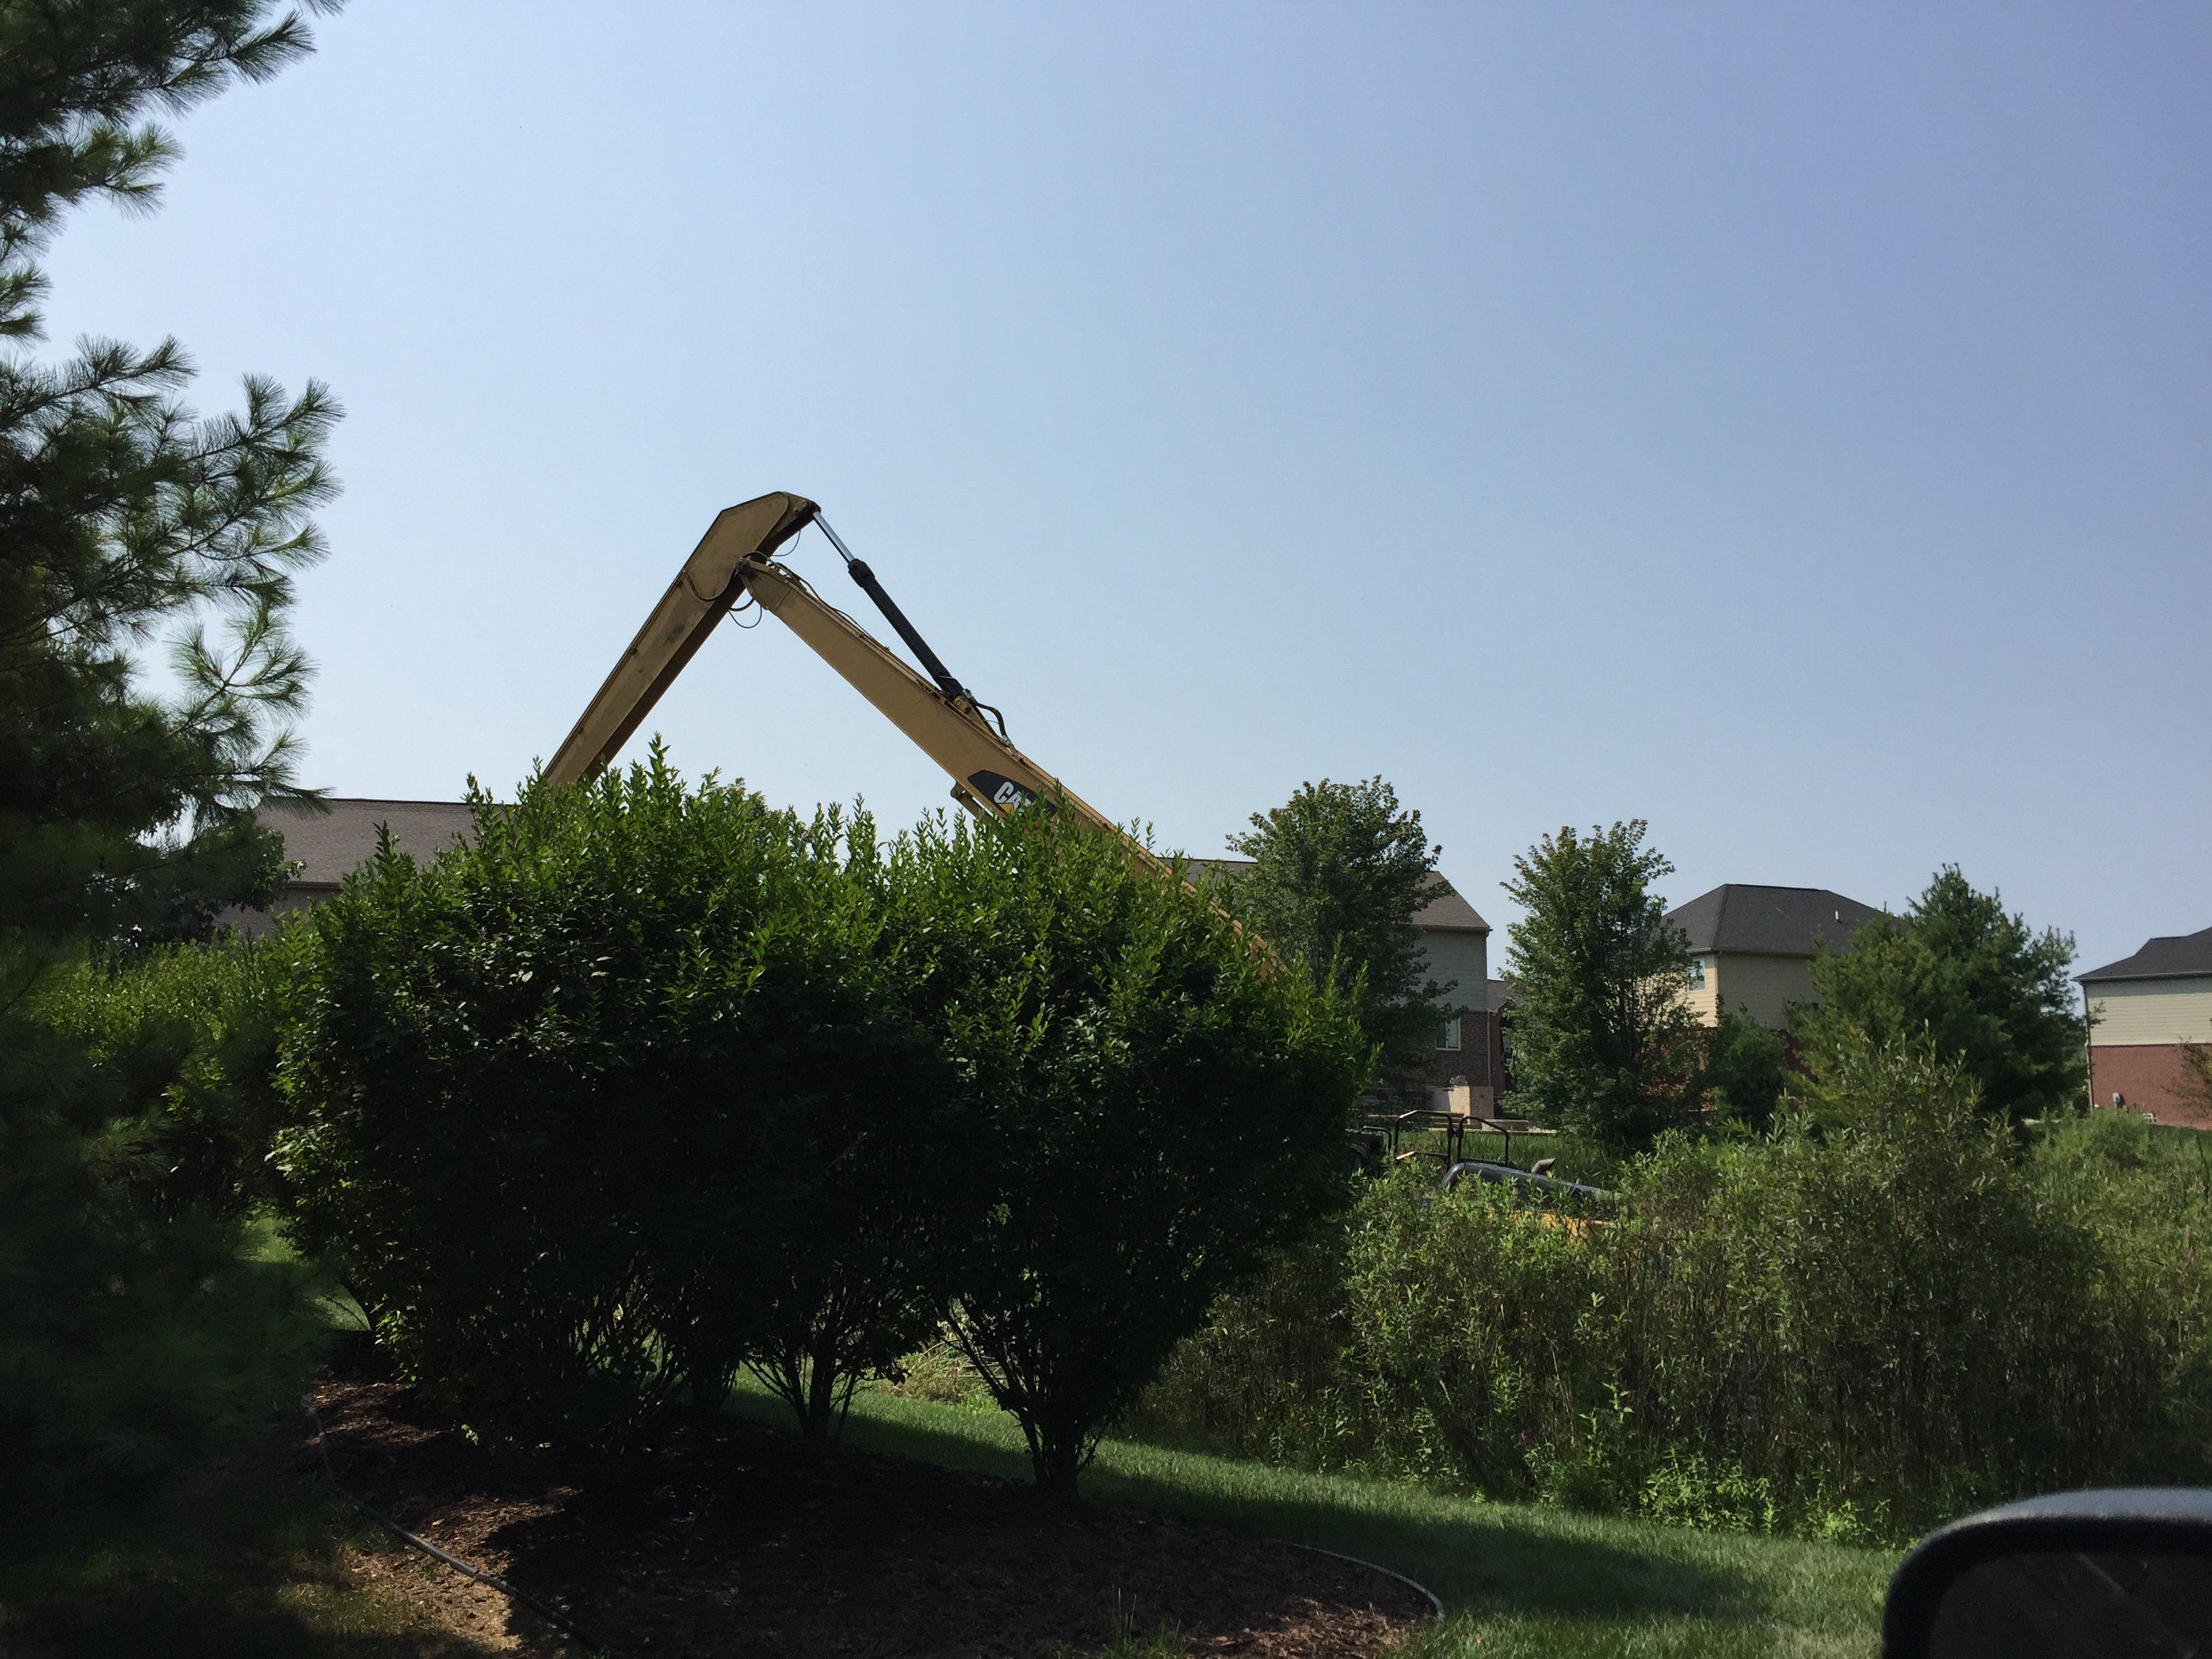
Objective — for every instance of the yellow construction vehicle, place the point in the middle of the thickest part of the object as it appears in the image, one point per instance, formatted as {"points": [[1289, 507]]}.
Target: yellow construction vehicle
{"points": [[733, 568]]}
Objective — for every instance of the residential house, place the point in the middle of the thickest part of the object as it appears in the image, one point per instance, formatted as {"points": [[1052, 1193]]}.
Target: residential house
{"points": [[1752, 947], [2146, 1011]]}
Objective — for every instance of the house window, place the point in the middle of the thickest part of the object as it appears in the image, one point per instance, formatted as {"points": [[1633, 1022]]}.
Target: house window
{"points": [[1448, 1037], [1697, 973]]}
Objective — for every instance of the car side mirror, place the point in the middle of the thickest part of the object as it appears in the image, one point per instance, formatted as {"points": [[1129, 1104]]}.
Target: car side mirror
{"points": [[2118, 1573]]}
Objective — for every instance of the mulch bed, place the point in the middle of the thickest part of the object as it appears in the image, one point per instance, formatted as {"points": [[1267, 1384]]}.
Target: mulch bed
{"points": [[726, 1539]]}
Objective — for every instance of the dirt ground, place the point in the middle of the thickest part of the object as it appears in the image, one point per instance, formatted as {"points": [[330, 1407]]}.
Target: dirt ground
{"points": [[725, 1539]]}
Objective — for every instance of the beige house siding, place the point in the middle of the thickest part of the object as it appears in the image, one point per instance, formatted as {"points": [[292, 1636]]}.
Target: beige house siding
{"points": [[1764, 987], [1461, 960], [1698, 998], [2162, 1011]]}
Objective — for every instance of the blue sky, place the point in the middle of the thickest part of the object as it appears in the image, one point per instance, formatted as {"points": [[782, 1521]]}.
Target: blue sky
{"points": [[1791, 425]]}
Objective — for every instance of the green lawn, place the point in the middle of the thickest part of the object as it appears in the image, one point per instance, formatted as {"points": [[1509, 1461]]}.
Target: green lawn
{"points": [[245, 1559], [1514, 1579]]}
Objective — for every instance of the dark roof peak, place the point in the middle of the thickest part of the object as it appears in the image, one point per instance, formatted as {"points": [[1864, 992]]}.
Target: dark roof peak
{"points": [[355, 802], [2171, 955], [1773, 921]]}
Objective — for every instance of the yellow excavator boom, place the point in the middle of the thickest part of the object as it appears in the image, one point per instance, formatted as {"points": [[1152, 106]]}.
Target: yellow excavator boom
{"points": [[735, 559]]}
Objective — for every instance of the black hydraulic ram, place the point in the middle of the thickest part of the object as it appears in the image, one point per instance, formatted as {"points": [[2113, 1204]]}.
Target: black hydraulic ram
{"points": [[859, 571]]}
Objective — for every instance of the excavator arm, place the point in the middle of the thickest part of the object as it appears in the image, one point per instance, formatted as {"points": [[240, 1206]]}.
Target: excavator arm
{"points": [[735, 559]]}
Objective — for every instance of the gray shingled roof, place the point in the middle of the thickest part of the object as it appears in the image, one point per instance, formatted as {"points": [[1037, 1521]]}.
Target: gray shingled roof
{"points": [[1448, 913], [2174, 955], [1770, 921], [329, 844], [1501, 993]]}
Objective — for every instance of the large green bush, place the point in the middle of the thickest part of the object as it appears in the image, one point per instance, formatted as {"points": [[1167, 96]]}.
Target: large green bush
{"points": [[1895, 1319], [186, 1036], [1482, 1327], [1855, 1332], [576, 1102], [133, 1333], [1269, 1374], [1164, 1103]]}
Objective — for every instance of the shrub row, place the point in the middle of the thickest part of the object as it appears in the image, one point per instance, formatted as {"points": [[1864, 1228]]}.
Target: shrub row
{"points": [[1855, 1332], [651, 1083]]}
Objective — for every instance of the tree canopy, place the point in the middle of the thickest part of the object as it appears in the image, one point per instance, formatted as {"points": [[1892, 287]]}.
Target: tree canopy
{"points": [[1958, 970], [128, 520], [1339, 872], [1746, 1070], [1603, 1041]]}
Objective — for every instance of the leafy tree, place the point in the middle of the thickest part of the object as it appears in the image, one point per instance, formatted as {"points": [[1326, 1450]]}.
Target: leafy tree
{"points": [[1603, 1042], [1339, 872], [1974, 981], [129, 1328], [1165, 1106], [125, 517], [1745, 1069], [2197, 1086]]}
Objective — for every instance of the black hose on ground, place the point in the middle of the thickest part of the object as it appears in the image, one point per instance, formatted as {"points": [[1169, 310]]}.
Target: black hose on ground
{"points": [[551, 1615], [1434, 1601], [562, 1622]]}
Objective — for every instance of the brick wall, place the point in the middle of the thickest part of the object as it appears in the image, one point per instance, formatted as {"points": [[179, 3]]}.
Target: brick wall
{"points": [[1471, 1059], [2154, 1078]]}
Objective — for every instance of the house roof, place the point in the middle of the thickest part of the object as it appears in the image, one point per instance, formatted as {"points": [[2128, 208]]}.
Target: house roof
{"points": [[1447, 912], [1501, 993], [1770, 921], [327, 845], [2174, 956]]}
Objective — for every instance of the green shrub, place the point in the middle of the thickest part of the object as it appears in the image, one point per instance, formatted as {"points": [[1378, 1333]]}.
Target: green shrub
{"points": [[1888, 1314], [2145, 1197], [1745, 1070], [869, 1189], [132, 1333], [1484, 1329], [1851, 1333], [1268, 1375], [1164, 1105], [1690, 1492], [187, 1037], [589, 1107]]}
